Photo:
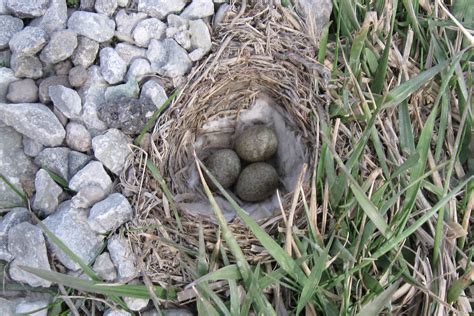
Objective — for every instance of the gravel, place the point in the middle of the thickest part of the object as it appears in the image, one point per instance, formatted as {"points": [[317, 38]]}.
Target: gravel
{"points": [[60, 47], [78, 137], [23, 91], [95, 26], [28, 41], [9, 25], [109, 214], [112, 66], [46, 199]]}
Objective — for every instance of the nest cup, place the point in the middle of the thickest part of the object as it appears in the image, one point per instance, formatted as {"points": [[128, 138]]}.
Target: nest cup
{"points": [[261, 71]]}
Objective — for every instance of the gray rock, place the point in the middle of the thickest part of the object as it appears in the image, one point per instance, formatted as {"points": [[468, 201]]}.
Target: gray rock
{"points": [[153, 91], [5, 56], [77, 161], [112, 150], [48, 82], [183, 38], [200, 36], [87, 5], [77, 76], [3, 7], [116, 312], [7, 76], [136, 304], [55, 17], [47, 194], [104, 267], [88, 196], [14, 165], [127, 114], [27, 306], [7, 307], [28, 248], [221, 14], [14, 217], [106, 7], [78, 137], [55, 160], [129, 89], [112, 66], [8, 27], [197, 54], [161, 8], [63, 119], [23, 91], [27, 66], [60, 47], [97, 27], [139, 68], [66, 100], [34, 120], [27, 8], [127, 21], [63, 67], [70, 225], [123, 258], [110, 214], [123, 3], [177, 22], [86, 52], [129, 52], [168, 58], [92, 174], [198, 9], [31, 148], [147, 30], [28, 41], [92, 93]]}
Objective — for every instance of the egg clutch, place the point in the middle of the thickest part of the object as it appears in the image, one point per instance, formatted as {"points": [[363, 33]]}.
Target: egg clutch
{"points": [[246, 168]]}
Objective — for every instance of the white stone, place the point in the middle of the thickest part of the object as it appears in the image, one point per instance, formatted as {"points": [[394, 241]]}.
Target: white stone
{"points": [[123, 258], [66, 100], [153, 91], [92, 174], [104, 267], [70, 226], [139, 68], [116, 312], [106, 7], [161, 8], [28, 41], [47, 193], [28, 248], [198, 9], [112, 66], [34, 120], [112, 149], [136, 304], [123, 3], [110, 213], [78, 137], [95, 26], [27, 306], [200, 35], [147, 30], [168, 58]]}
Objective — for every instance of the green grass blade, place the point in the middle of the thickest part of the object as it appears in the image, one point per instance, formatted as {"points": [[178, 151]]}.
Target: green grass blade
{"points": [[460, 285], [14, 189], [228, 272], [375, 307]]}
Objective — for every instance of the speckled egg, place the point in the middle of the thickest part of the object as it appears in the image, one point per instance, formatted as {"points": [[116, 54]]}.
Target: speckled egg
{"points": [[257, 182], [257, 143], [224, 165]]}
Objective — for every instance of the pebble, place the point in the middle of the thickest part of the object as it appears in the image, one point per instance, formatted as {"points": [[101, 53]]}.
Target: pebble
{"points": [[55, 160], [28, 248], [23, 91], [78, 137], [70, 226], [7, 76], [130, 89], [161, 8], [92, 174], [106, 7], [198, 9], [123, 3], [14, 217], [27, 8], [47, 194], [112, 150], [123, 258], [66, 100], [112, 66], [109, 214], [34, 120], [60, 47], [168, 58], [28, 41], [27, 66], [129, 52], [55, 18], [27, 306], [95, 26], [48, 82], [88, 196], [31, 148], [9, 25], [77, 161], [116, 312], [104, 267], [136, 304], [147, 30], [139, 68], [126, 23], [86, 52], [62, 68], [77, 76], [155, 92], [200, 36]]}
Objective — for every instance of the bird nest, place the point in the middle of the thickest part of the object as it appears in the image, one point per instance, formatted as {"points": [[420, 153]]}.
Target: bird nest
{"points": [[261, 71]]}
